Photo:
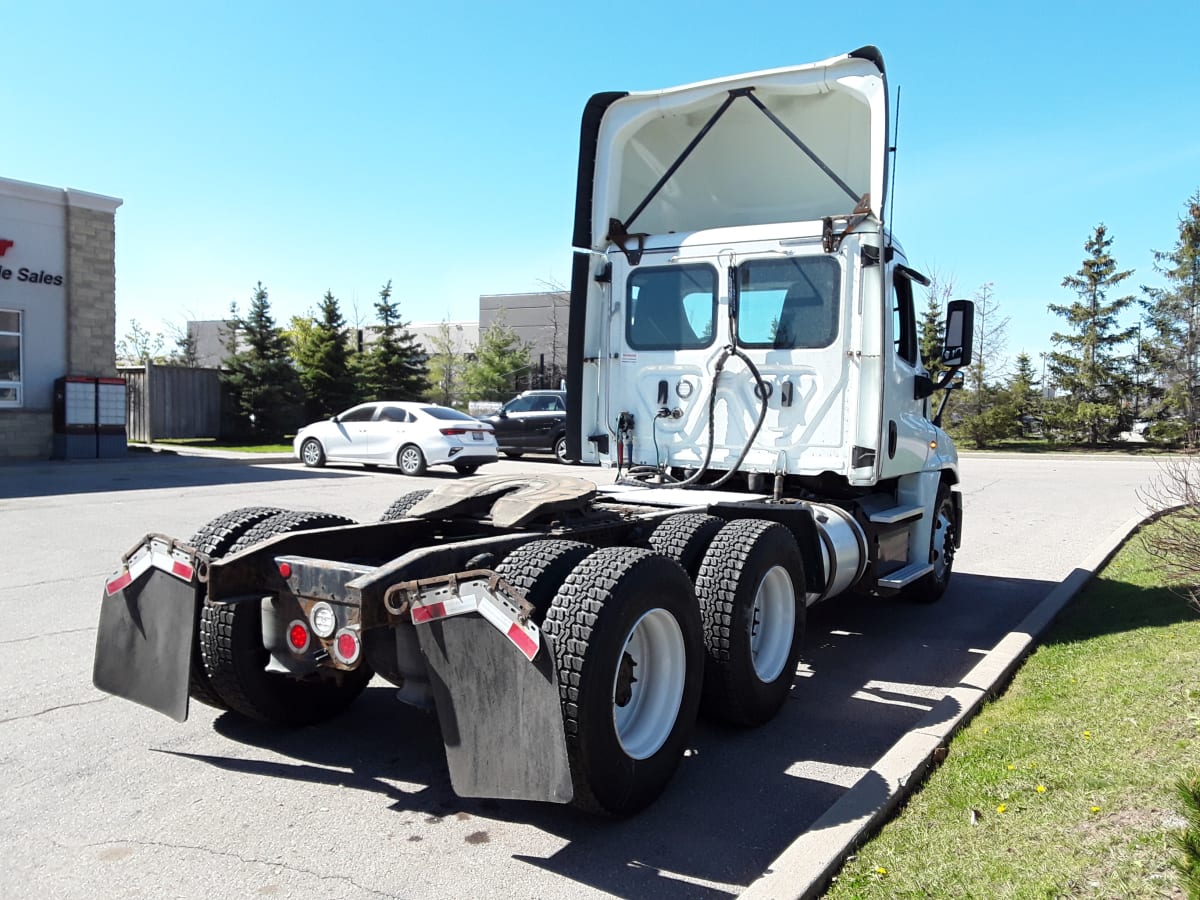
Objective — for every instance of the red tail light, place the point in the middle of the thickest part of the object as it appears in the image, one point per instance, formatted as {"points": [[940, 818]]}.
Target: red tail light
{"points": [[451, 432], [297, 636], [346, 647]]}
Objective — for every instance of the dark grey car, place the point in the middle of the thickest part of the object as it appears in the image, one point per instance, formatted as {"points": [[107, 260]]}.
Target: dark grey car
{"points": [[532, 422]]}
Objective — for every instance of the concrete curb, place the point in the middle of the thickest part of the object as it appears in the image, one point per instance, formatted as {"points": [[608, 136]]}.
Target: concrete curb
{"points": [[804, 869]]}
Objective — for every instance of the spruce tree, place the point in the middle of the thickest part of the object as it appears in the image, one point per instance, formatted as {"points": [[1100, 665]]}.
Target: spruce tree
{"points": [[395, 366], [1089, 369], [501, 362], [1023, 392], [1172, 348], [258, 375], [322, 355]]}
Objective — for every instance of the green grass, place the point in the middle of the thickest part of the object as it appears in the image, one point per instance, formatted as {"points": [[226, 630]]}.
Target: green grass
{"points": [[1064, 785], [1040, 445], [213, 444]]}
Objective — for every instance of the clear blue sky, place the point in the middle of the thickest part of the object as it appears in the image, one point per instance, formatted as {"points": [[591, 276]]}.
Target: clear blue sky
{"points": [[333, 146]]}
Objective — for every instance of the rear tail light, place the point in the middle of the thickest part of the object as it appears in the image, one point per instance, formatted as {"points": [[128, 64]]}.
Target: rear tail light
{"points": [[347, 647], [451, 432], [298, 637]]}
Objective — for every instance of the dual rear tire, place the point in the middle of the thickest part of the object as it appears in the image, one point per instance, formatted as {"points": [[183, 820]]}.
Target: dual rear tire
{"points": [[640, 649]]}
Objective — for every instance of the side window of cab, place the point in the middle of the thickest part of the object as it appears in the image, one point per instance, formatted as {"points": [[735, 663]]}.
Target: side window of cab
{"points": [[904, 319]]}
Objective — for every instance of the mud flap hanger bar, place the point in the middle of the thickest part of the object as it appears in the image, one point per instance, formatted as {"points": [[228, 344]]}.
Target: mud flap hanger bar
{"points": [[618, 231], [478, 591]]}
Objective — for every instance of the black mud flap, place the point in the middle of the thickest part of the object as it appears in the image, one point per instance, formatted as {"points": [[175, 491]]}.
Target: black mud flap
{"points": [[500, 713], [144, 643]]}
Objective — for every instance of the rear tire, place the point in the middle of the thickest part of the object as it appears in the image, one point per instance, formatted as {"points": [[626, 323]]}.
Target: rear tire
{"points": [[312, 453], [214, 539], [539, 569], [411, 460], [512, 454], [467, 468], [400, 506], [627, 641], [752, 602], [560, 451], [685, 538], [235, 659]]}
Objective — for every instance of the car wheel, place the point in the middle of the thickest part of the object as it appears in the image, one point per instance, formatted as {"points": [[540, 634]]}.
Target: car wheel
{"points": [[411, 460], [312, 454], [513, 454], [560, 451], [467, 468]]}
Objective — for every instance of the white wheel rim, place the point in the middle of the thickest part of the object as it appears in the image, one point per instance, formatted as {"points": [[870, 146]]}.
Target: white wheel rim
{"points": [[560, 449], [656, 649], [312, 453], [943, 554], [409, 460], [772, 623]]}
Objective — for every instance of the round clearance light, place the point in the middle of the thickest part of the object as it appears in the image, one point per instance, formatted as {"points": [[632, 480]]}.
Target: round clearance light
{"points": [[324, 622], [285, 570], [298, 636], [346, 647]]}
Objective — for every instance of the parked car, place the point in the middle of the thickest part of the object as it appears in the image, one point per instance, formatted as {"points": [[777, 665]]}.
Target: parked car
{"points": [[409, 435], [532, 422]]}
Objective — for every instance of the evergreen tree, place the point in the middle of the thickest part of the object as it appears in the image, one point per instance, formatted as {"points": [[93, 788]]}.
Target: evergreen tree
{"points": [[1172, 350], [1023, 392], [931, 335], [501, 362], [259, 378], [394, 367], [321, 353], [1089, 369]]}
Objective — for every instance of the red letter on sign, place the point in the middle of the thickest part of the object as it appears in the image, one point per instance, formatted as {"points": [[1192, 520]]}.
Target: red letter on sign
{"points": [[4, 245]]}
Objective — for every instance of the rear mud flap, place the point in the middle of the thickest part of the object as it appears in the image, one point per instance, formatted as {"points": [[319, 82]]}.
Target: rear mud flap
{"points": [[144, 643], [500, 714]]}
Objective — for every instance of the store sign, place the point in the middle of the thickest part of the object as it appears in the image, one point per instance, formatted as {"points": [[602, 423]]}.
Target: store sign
{"points": [[23, 274]]}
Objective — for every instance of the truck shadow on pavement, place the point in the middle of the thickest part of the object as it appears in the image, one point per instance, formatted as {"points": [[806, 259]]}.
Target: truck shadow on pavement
{"points": [[872, 670]]}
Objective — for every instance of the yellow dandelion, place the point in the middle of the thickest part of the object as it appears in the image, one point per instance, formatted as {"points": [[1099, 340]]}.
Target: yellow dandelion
{"points": [[1011, 767], [1001, 808], [1087, 734], [1041, 789], [880, 870]]}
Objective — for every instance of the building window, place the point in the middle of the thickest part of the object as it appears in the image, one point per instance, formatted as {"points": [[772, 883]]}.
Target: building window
{"points": [[10, 357]]}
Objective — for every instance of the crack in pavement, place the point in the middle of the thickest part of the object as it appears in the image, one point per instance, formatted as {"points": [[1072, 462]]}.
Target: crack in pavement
{"points": [[43, 712], [47, 634], [250, 860]]}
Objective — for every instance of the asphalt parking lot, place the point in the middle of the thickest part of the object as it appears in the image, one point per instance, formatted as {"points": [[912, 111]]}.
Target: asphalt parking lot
{"points": [[106, 799]]}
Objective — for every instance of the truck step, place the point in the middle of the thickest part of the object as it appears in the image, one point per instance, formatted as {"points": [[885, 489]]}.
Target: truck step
{"points": [[906, 576], [897, 514]]}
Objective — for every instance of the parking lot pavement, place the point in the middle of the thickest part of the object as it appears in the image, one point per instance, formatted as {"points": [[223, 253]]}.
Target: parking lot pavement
{"points": [[101, 793]]}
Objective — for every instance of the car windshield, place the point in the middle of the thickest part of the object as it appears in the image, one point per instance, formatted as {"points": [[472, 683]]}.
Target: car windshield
{"points": [[445, 412]]}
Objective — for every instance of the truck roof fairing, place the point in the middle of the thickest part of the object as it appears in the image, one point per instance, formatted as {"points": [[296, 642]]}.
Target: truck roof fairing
{"points": [[783, 145]]}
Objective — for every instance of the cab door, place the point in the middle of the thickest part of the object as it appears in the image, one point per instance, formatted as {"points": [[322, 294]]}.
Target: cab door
{"points": [[905, 428]]}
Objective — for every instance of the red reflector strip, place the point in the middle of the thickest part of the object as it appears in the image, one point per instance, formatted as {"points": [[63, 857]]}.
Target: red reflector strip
{"points": [[523, 641], [183, 570], [119, 583], [427, 613]]}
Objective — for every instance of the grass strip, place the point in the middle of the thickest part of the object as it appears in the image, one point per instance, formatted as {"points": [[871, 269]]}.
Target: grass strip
{"points": [[1065, 785]]}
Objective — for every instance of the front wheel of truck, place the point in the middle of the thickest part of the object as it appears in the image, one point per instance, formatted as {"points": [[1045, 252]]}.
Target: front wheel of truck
{"points": [[235, 659]]}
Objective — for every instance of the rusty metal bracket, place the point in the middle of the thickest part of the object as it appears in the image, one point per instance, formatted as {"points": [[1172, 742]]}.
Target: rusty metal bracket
{"points": [[619, 236], [398, 599]]}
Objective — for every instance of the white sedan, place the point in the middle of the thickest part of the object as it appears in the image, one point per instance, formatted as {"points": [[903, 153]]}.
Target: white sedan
{"points": [[409, 435]]}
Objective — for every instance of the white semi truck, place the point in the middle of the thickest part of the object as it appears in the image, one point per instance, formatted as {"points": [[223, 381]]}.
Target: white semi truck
{"points": [[743, 351]]}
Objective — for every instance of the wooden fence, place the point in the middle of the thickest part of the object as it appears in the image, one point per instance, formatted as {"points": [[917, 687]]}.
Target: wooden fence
{"points": [[172, 402]]}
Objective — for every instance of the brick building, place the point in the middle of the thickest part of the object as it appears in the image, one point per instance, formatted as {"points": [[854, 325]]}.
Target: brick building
{"points": [[57, 304]]}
